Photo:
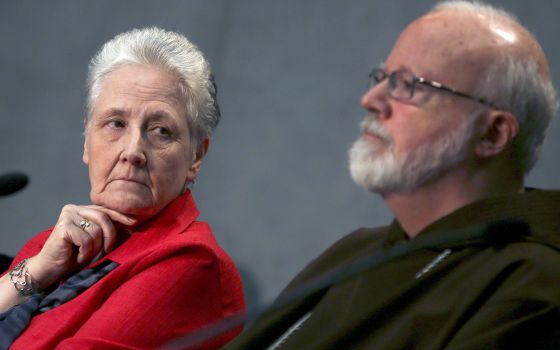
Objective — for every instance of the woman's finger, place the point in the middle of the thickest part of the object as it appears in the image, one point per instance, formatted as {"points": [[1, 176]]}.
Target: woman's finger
{"points": [[75, 220], [110, 237], [95, 231], [77, 237], [71, 244], [124, 219], [101, 218]]}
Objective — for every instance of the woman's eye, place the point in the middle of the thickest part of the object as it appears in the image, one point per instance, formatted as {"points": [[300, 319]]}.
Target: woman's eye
{"points": [[115, 124], [162, 132]]}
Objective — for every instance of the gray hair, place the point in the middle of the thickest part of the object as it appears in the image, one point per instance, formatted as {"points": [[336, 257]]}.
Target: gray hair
{"points": [[172, 52], [514, 82]]}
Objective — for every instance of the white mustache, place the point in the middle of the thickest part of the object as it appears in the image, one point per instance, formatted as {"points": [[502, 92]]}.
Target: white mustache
{"points": [[372, 126]]}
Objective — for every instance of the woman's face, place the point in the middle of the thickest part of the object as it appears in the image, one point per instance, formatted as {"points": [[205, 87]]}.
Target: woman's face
{"points": [[137, 145]]}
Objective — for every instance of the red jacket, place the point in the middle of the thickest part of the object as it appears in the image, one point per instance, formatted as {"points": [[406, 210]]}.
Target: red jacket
{"points": [[173, 278]]}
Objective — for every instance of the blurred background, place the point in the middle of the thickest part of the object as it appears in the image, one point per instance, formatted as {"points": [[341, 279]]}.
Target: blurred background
{"points": [[275, 185]]}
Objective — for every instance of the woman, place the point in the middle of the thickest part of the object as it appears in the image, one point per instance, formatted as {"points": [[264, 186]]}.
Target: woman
{"points": [[133, 269]]}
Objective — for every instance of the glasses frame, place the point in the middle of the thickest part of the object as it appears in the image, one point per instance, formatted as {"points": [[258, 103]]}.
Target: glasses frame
{"points": [[393, 77]]}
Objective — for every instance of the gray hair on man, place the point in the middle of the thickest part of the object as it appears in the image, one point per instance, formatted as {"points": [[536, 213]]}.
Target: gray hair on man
{"points": [[172, 52], [514, 82]]}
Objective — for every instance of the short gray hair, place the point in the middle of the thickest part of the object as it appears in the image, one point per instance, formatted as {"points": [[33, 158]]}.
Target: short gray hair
{"points": [[514, 82], [172, 52]]}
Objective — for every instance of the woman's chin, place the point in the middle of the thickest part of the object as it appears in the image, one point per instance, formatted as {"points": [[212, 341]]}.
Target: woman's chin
{"points": [[138, 207]]}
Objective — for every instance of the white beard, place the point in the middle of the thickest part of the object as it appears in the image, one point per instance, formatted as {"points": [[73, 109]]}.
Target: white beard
{"points": [[380, 171]]}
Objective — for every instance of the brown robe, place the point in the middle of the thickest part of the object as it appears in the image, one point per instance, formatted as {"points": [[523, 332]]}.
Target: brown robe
{"points": [[498, 290]]}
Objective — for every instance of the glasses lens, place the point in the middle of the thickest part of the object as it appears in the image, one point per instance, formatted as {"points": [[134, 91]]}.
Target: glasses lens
{"points": [[401, 85], [376, 76]]}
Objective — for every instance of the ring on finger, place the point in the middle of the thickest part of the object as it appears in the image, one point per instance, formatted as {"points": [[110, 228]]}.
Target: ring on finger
{"points": [[84, 223]]}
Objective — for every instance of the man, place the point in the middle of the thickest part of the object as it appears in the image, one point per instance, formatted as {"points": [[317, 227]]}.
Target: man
{"points": [[456, 117]]}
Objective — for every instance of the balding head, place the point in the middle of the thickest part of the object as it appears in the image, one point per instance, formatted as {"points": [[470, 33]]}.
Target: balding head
{"points": [[464, 94], [513, 73], [489, 28], [484, 51]]}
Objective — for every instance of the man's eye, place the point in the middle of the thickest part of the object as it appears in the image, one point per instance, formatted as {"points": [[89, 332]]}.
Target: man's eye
{"points": [[409, 84]]}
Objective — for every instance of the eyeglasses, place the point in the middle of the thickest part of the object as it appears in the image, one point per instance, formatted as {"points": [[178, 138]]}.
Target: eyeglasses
{"points": [[402, 85]]}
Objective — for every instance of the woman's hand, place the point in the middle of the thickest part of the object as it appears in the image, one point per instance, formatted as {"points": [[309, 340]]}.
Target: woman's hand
{"points": [[70, 246]]}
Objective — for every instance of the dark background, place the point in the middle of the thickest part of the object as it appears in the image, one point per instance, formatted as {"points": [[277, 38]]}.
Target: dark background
{"points": [[275, 185]]}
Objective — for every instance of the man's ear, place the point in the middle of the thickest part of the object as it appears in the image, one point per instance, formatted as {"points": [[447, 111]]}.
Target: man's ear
{"points": [[497, 131], [201, 151]]}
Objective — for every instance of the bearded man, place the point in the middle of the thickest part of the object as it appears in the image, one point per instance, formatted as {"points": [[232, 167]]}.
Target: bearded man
{"points": [[456, 118]]}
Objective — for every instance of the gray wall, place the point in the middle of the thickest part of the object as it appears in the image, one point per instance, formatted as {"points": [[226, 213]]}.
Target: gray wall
{"points": [[275, 185]]}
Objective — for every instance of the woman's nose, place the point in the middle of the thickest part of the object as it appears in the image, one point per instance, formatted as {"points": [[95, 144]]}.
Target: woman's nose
{"points": [[134, 151]]}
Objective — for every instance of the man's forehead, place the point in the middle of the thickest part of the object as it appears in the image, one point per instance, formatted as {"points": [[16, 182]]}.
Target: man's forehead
{"points": [[469, 39], [446, 34], [444, 46]]}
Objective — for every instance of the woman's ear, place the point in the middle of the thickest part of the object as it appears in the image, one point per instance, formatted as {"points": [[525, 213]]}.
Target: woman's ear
{"points": [[497, 131], [85, 155], [199, 154]]}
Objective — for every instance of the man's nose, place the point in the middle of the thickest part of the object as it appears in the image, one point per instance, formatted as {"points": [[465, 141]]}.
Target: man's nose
{"points": [[376, 100], [134, 151]]}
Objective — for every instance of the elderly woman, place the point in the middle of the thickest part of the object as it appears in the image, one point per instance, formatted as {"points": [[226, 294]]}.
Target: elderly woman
{"points": [[134, 269]]}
